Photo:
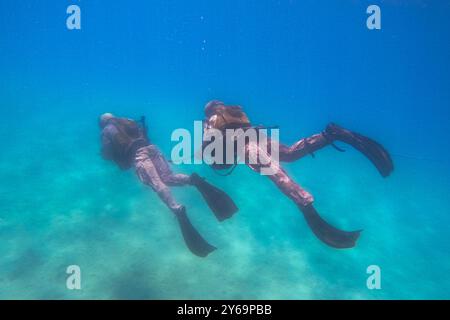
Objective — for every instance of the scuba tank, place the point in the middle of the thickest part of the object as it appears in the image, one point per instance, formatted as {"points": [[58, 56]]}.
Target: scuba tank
{"points": [[129, 137], [226, 117]]}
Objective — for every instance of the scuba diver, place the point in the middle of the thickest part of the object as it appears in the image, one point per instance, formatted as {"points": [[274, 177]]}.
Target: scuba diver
{"points": [[221, 117], [125, 142]]}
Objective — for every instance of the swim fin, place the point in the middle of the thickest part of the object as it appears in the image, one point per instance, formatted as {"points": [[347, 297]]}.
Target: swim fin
{"points": [[375, 152], [194, 241], [327, 233], [218, 201]]}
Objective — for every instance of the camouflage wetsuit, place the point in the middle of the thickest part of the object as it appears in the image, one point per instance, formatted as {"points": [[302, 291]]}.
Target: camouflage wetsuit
{"points": [[150, 165], [153, 170], [288, 154]]}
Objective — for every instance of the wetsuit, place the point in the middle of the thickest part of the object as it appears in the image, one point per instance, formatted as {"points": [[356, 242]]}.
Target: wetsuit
{"points": [[150, 165], [292, 153]]}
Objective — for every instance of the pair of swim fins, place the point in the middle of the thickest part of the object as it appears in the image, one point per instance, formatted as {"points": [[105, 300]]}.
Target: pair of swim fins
{"points": [[224, 207], [220, 204], [328, 234], [379, 157]]}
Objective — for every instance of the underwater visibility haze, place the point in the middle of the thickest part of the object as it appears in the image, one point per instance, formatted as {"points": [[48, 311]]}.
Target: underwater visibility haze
{"points": [[294, 64]]}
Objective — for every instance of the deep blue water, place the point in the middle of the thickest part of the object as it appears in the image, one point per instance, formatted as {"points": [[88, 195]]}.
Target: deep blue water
{"points": [[296, 64]]}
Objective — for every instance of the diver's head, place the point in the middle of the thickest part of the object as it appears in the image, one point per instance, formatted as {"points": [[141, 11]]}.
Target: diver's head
{"points": [[104, 118], [211, 107]]}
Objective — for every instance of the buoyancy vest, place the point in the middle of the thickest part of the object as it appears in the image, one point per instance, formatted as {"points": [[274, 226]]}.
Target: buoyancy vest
{"points": [[226, 117], [128, 139]]}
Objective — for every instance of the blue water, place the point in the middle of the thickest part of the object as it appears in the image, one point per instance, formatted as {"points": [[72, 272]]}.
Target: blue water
{"points": [[296, 64]]}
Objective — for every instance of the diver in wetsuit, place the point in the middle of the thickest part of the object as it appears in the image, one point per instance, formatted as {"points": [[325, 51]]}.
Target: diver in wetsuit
{"points": [[125, 142], [221, 117]]}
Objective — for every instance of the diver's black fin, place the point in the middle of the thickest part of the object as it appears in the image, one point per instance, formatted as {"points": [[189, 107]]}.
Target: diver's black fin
{"points": [[374, 151], [218, 201], [327, 233], [194, 241]]}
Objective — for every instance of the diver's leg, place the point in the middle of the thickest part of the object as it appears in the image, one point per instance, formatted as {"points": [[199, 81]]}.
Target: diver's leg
{"points": [[166, 174], [375, 152], [148, 174], [303, 199], [293, 190], [300, 196], [177, 179], [303, 147]]}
